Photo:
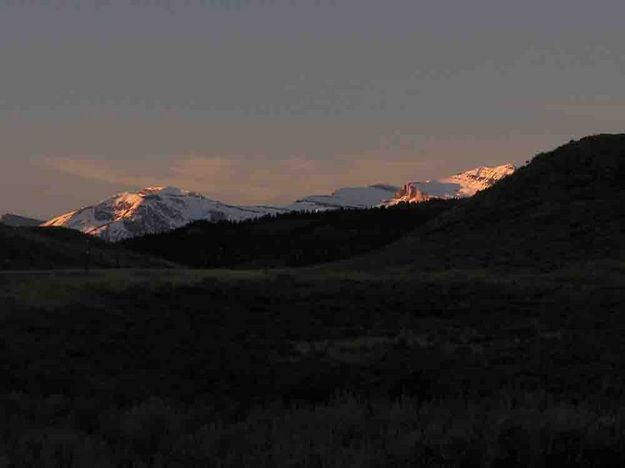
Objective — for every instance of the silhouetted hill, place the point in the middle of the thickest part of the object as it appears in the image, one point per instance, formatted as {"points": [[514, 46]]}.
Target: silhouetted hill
{"points": [[49, 248], [302, 238], [565, 205], [10, 219]]}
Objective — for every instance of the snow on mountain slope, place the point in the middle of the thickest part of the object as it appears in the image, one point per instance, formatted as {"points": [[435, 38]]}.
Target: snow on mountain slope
{"points": [[349, 197], [159, 209], [461, 185], [152, 210]]}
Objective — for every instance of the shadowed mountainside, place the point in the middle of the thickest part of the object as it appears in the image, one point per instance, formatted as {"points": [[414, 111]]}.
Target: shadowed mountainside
{"points": [[27, 248], [291, 239], [9, 219], [565, 205]]}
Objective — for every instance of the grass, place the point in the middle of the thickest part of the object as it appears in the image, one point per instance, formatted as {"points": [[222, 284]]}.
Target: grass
{"points": [[61, 287], [313, 368], [524, 429]]}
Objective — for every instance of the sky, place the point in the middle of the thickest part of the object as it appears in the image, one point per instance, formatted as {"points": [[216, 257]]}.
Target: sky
{"points": [[266, 101]]}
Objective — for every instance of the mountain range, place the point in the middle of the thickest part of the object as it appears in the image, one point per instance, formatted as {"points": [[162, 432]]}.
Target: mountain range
{"points": [[564, 205], [462, 185], [160, 209], [152, 210]]}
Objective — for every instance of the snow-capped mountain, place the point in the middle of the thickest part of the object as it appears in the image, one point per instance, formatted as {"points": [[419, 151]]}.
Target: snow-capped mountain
{"points": [[152, 210], [461, 185], [349, 197], [159, 209]]}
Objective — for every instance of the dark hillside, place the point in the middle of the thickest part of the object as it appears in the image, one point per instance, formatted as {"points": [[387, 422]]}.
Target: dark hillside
{"points": [[290, 239], [565, 205], [25, 248], [10, 219]]}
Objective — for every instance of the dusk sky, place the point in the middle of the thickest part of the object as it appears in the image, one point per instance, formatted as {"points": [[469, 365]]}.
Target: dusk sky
{"points": [[264, 101]]}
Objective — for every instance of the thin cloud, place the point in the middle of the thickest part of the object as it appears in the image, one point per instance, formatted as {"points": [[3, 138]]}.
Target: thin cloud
{"points": [[235, 179]]}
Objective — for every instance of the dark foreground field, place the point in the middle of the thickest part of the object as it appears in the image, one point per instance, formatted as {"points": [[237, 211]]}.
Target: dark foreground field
{"points": [[313, 368]]}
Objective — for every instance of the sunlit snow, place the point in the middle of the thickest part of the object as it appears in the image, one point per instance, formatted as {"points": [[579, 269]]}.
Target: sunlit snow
{"points": [[159, 209]]}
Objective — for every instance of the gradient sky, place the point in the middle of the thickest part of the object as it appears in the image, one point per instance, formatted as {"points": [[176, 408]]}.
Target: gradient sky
{"points": [[263, 101]]}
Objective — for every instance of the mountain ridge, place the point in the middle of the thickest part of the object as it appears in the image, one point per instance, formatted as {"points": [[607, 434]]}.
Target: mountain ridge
{"points": [[37, 248], [14, 220], [158, 209], [151, 210], [461, 185], [563, 206]]}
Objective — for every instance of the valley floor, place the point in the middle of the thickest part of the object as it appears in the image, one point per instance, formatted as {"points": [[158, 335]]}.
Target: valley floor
{"points": [[313, 367]]}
